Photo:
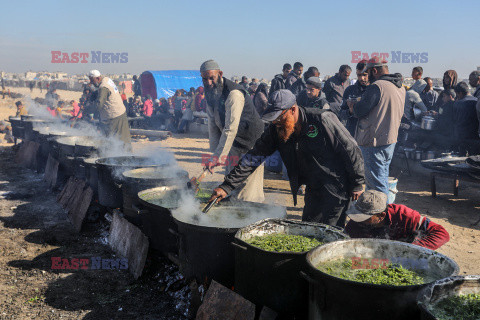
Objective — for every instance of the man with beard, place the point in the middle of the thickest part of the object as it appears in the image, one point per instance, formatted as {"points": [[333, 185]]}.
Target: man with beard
{"points": [[317, 151], [335, 86], [311, 96], [113, 115], [379, 113], [294, 75], [301, 83], [278, 82], [233, 126], [352, 94]]}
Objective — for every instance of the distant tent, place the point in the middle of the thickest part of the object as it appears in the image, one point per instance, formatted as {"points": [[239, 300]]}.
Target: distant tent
{"points": [[163, 84]]}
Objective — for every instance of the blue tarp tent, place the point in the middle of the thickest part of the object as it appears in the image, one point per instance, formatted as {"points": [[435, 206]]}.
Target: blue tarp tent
{"points": [[162, 84]]}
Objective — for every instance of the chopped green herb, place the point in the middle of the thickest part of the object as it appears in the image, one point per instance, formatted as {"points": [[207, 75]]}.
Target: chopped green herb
{"points": [[393, 274], [284, 243], [465, 307]]}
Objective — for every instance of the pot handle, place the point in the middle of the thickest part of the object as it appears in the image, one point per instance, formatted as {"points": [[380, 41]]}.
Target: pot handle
{"points": [[138, 210], [239, 246], [279, 263], [321, 300]]}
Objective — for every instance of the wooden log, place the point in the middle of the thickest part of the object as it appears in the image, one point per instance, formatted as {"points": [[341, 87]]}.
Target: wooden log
{"points": [[151, 133], [77, 215], [77, 193], [51, 172], [222, 303], [128, 241]]}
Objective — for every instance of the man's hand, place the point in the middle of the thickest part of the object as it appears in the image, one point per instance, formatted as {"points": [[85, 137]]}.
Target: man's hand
{"points": [[218, 193], [350, 104], [356, 194]]}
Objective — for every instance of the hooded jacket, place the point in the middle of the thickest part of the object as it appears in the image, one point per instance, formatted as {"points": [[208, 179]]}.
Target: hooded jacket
{"points": [[318, 102], [380, 111], [278, 82], [298, 86], [323, 156]]}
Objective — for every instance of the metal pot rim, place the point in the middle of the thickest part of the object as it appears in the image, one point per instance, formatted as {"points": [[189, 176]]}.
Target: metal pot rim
{"points": [[424, 296], [371, 285], [286, 222]]}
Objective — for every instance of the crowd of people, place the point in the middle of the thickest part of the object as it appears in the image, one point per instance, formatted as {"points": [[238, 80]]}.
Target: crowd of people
{"points": [[337, 138]]}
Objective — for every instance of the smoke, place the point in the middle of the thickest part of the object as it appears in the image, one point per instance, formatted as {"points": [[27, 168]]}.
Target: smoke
{"points": [[226, 214]]}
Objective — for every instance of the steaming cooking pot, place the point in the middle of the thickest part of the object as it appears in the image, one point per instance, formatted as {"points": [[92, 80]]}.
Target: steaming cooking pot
{"points": [[140, 179], [110, 176], [273, 279], [205, 250], [333, 298], [428, 123], [18, 131]]}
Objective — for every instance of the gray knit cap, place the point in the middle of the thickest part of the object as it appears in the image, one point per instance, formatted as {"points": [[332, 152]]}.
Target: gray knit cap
{"points": [[209, 65]]}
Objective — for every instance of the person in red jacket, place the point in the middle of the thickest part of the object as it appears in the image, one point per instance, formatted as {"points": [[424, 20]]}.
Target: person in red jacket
{"points": [[148, 107], [371, 217]]}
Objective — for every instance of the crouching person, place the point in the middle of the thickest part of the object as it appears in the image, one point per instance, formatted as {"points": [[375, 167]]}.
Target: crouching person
{"points": [[371, 217]]}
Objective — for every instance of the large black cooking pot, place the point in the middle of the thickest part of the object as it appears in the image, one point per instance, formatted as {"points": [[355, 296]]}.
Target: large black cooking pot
{"points": [[29, 125], [27, 117], [156, 218], [87, 146], [273, 279], [67, 144], [91, 174], [445, 288], [146, 178], [332, 298], [18, 131], [205, 246], [110, 176]]}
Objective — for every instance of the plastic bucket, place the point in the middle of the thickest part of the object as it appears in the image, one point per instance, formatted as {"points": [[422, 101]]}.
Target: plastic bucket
{"points": [[392, 189]]}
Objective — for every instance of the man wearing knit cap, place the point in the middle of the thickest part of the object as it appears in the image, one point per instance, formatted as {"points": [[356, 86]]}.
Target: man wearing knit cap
{"points": [[311, 96], [233, 127], [379, 113], [113, 116], [317, 151]]}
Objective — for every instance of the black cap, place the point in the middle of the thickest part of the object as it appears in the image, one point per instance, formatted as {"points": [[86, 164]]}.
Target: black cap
{"points": [[279, 101]]}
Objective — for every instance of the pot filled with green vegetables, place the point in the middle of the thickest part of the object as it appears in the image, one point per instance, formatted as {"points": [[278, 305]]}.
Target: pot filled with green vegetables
{"points": [[371, 278], [452, 298], [269, 256]]}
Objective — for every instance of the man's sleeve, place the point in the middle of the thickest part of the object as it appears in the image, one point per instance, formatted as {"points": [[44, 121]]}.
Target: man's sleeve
{"points": [[478, 115], [233, 112], [434, 235], [327, 89], [345, 146], [370, 99], [344, 113], [414, 97], [264, 147], [103, 94], [213, 131]]}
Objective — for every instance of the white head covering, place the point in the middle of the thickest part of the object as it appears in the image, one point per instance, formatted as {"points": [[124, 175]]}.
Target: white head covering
{"points": [[94, 74]]}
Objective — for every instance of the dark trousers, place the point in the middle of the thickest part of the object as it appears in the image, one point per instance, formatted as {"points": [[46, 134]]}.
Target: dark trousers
{"points": [[322, 207]]}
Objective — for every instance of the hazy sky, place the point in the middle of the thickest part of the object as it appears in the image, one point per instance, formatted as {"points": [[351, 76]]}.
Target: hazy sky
{"points": [[254, 38]]}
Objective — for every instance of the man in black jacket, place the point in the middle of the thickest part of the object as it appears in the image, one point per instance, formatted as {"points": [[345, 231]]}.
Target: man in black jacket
{"points": [[335, 86], [311, 96], [278, 82], [316, 150], [352, 94], [301, 83]]}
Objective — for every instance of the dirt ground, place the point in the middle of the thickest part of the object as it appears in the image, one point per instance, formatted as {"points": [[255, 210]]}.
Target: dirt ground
{"points": [[34, 228]]}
